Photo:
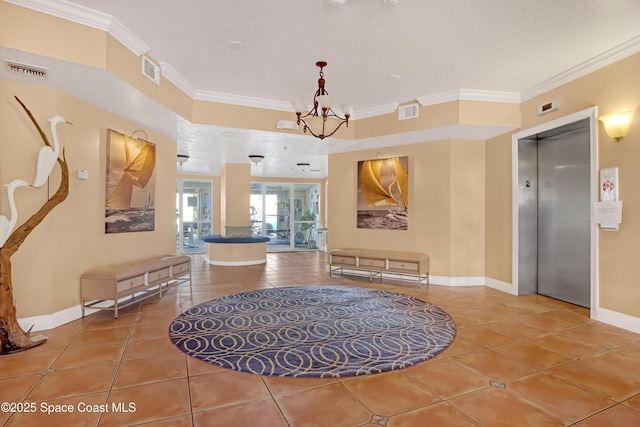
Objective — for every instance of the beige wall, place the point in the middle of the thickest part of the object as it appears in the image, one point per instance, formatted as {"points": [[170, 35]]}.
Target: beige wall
{"points": [[235, 192], [612, 89], [441, 115], [446, 205], [498, 208], [71, 239], [24, 29], [467, 208]]}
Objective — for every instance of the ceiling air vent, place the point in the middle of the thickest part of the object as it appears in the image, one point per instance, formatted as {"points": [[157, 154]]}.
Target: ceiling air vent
{"points": [[408, 112], [150, 70], [27, 70]]}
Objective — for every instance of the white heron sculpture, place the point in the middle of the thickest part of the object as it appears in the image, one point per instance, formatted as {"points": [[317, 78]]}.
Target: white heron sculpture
{"points": [[7, 225], [47, 156]]}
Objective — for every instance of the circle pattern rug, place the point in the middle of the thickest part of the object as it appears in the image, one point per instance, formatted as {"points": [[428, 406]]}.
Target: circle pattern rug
{"points": [[314, 331]]}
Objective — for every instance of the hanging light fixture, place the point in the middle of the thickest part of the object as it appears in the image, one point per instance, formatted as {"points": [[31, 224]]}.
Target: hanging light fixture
{"points": [[322, 108], [256, 158]]}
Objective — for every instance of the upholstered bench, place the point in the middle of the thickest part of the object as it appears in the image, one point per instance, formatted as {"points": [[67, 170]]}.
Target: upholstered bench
{"points": [[139, 279], [398, 265], [235, 251]]}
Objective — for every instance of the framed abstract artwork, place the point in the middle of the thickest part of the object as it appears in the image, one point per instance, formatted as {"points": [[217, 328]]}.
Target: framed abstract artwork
{"points": [[130, 184], [383, 193]]}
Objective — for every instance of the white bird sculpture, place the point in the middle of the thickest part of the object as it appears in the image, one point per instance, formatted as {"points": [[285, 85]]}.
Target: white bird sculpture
{"points": [[47, 156], [7, 225]]}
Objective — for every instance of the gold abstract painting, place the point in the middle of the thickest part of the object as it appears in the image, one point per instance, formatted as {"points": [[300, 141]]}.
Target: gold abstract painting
{"points": [[383, 193]]}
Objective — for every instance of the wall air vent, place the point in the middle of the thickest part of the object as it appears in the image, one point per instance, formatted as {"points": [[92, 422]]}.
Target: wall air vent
{"points": [[550, 106], [150, 70], [408, 112], [26, 70]]}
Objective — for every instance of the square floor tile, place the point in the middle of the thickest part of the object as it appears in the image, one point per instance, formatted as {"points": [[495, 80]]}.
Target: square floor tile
{"points": [[263, 413], [151, 369], [147, 402], [559, 397], [609, 384], [532, 354], [225, 388], [328, 405], [497, 408], [446, 378], [390, 393], [440, 414], [618, 416], [493, 366], [74, 381]]}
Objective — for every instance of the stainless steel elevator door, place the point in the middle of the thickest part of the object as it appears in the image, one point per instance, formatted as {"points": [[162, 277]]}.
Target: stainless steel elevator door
{"points": [[563, 246], [528, 216]]}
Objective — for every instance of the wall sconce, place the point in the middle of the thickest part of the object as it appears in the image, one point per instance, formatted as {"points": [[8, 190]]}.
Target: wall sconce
{"points": [[616, 125], [304, 167], [256, 158]]}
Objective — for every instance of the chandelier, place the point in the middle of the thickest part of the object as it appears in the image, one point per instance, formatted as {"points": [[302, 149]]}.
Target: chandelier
{"points": [[322, 108]]}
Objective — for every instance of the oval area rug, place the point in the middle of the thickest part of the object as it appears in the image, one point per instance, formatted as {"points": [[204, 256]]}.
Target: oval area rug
{"points": [[314, 331]]}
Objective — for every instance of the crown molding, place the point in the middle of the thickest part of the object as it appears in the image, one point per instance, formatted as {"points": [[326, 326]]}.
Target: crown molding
{"points": [[375, 111], [105, 22], [609, 57], [489, 96], [89, 17], [127, 38], [469, 95], [247, 101], [170, 73], [439, 98], [69, 11]]}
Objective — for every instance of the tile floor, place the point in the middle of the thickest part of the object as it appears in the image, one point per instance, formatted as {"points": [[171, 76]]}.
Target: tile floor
{"points": [[517, 361]]}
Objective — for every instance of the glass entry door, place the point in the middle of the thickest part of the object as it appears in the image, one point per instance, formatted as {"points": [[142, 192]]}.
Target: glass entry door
{"points": [[306, 218], [286, 213], [271, 214], [193, 214]]}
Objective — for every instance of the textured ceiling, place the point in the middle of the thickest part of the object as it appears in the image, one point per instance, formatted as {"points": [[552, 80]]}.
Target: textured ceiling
{"points": [[432, 45], [378, 55]]}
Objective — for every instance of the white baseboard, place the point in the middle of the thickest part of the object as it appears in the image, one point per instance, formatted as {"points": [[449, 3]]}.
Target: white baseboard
{"points": [[59, 318], [456, 281], [50, 321], [499, 285], [613, 318], [237, 263], [619, 320]]}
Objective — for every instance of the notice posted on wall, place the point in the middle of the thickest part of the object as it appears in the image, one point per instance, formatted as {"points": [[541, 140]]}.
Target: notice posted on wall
{"points": [[608, 213]]}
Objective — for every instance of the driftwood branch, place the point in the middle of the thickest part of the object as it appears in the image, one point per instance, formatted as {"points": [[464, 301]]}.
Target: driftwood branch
{"points": [[11, 334]]}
